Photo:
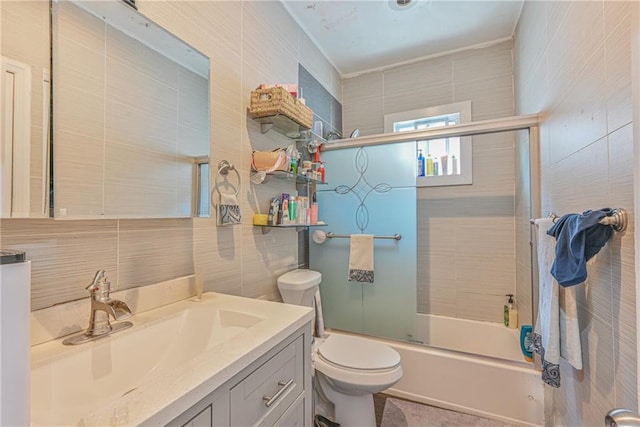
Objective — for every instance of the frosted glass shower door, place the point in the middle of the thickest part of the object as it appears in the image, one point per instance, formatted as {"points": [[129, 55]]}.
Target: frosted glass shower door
{"points": [[371, 191]]}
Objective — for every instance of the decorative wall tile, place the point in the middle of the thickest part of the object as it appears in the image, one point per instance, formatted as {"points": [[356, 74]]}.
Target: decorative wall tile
{"points": [[152, 251], [64, 255]]}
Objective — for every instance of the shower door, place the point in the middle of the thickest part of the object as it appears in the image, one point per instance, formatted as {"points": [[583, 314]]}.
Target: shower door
{"points": [[371, 190]]}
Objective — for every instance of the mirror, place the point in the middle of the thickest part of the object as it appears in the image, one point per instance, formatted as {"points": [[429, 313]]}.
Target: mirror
{"points": [[24, 109], [130, 115]]}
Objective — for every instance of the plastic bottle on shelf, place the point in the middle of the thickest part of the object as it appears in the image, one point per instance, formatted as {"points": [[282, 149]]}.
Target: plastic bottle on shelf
{"points": [[314, 209], [321, 172], [421, 170], [436, 168], [429, 165], [454, 165]]}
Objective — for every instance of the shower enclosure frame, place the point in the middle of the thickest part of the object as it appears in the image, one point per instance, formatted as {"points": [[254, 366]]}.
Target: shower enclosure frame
{"points": [[527, 123]]}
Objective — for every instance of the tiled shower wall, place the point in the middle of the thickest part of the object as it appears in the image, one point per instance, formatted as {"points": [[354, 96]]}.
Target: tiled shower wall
{"points": [[466, 236], [249, 43], [573, 67]]}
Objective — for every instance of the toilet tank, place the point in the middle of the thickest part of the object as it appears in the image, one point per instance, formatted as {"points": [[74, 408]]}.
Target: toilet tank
{"points": [[299, 286]]}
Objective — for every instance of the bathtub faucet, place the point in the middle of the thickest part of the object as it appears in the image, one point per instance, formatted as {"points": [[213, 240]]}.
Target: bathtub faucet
{"points": [[102, 306]]}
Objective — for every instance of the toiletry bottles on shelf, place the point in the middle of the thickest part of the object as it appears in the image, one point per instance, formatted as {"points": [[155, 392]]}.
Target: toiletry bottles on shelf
{"points": [[443, 164], [421, 164], [510, 313], [429, 165]]}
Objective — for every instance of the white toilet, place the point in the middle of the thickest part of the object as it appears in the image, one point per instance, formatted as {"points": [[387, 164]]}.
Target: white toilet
{"points": [[350, 369]]}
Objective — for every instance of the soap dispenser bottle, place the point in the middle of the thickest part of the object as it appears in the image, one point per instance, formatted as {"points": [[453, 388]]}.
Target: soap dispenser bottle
{"points": [[510, 313]]}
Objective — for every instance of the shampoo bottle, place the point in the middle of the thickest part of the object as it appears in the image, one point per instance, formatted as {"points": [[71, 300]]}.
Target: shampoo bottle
{"points": [[510, 313], [421, 170], [429, 165]]}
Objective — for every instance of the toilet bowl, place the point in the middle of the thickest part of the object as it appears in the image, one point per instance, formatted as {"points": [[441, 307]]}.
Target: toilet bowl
{"points": [[349, 369]]}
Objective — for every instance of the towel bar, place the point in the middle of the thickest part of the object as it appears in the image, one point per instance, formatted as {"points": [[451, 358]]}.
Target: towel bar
{"points": [[618, 219], [330, 235]]}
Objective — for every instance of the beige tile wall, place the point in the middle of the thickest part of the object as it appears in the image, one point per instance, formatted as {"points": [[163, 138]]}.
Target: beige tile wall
{"points": [[573, 66], [249, 43], [466, 234]]}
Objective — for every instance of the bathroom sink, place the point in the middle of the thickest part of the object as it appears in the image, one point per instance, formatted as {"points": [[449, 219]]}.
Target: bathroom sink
{"points": [[161, 350]]}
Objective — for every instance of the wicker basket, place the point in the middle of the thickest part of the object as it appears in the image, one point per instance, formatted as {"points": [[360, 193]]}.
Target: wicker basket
{"points": [[276, 100]]}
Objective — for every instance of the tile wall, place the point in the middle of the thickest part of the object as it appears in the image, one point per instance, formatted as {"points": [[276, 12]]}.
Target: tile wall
{"points": [[249, 42], [572, 63], [466, 234]]}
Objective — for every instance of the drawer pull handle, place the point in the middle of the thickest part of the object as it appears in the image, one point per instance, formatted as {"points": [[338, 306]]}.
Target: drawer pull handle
{"points": [[270, 400]]}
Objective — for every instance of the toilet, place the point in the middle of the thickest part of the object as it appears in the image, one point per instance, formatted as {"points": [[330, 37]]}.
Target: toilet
{"points": [[349, 369]]}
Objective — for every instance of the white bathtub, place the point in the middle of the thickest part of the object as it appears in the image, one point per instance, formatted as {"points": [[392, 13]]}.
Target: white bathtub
{"points": [[482, 373]]}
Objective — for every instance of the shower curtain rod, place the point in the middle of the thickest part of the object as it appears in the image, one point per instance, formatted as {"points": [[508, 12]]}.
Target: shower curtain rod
{"points": [[330, 235]]}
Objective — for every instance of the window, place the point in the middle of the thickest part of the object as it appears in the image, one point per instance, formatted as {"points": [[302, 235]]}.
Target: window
{"points": [[447, 161]]}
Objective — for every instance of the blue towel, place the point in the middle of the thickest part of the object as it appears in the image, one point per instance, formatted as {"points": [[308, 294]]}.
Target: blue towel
{"points": [[578, 238]]}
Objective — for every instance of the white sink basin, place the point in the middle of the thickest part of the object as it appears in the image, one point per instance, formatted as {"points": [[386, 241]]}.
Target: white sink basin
{"points": [[69, 383]]}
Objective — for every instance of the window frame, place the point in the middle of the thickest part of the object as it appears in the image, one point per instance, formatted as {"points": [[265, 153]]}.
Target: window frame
{"points": [[466, 148]]}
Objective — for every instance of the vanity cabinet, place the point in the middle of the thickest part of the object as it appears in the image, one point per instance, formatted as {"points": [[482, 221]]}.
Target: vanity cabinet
{"points": [[274, 390]]}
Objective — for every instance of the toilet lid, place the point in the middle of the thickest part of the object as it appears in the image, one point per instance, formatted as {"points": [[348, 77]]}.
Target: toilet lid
{"points": [[358, 353]]}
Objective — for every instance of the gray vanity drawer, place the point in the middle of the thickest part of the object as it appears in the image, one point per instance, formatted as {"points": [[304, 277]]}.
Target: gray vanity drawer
{"points": [[280, 378]]}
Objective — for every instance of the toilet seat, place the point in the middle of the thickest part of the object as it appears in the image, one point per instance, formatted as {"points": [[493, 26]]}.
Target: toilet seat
{"points": [[358, 353], [377, 368]]}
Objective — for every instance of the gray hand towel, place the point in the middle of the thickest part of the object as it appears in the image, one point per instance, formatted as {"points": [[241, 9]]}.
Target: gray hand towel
{"points": [[228, 210]]}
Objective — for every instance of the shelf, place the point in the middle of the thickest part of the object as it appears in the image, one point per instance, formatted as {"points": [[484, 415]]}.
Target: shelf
{"points": [[294, 177], [281, 124], [298, 227], [288, 176]]}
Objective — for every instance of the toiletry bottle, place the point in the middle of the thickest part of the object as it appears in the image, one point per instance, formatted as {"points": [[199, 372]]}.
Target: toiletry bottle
{"points": [[429, 165], [510, 313], [285, 212], [420, 163], [293, 206], [454, 165], [321, 171], [314, 209], [294, 165], [435, 166]]}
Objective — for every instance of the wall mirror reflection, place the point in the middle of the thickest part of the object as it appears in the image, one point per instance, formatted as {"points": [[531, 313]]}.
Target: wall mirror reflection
{"points": [[130, 115], [24, 109]]}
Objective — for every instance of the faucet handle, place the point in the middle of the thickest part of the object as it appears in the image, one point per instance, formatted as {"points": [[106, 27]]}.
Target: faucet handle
{"points": [[99, 284]]}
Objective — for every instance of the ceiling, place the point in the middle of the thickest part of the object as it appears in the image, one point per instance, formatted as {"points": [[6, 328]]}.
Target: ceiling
{"points": [[363, 35]]}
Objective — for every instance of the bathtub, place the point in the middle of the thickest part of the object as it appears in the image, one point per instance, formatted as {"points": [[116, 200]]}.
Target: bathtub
{"points": [[471, 367]]}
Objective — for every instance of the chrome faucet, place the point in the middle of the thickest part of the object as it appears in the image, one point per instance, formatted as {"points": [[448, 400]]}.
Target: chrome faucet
{"points": [[102, 306]]}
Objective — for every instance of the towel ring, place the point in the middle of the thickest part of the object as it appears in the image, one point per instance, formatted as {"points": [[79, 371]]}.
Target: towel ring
{"points": [[223, 169]]}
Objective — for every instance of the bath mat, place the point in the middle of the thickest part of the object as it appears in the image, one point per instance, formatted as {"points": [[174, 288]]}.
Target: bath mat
{"points": [[402, 413]]}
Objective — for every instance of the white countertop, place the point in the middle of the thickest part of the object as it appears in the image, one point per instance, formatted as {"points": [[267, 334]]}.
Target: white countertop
{"points": [[162, 395]]}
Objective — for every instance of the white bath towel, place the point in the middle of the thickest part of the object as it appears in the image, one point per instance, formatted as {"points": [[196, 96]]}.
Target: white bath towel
{"points": [[547, 328], [318, 329], [361, 258], [570, 344], [228, 209]]}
